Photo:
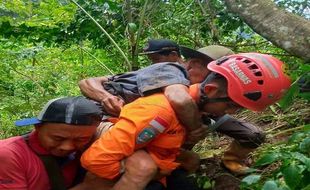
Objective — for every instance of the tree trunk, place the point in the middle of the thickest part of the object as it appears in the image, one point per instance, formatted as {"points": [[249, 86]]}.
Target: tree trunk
{"points": [[284, 29]]}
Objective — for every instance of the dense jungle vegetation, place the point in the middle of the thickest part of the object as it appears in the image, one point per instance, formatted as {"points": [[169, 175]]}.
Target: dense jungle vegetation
{"points": [[47, 46]]}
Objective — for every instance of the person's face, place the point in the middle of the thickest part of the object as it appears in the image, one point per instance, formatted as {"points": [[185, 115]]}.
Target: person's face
{"points": [[158, 58], [63, 139], [220, 108], [197, 70]]}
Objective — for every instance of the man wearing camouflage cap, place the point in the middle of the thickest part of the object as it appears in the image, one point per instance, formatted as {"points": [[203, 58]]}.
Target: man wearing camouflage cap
{"points": [[247, 136], [114, 91], [197, 61]]}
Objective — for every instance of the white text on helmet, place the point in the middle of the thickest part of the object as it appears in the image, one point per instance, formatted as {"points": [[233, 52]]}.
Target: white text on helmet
{"points": [[240, 74]]}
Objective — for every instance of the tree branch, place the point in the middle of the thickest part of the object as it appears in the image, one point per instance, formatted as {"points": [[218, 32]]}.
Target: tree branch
{"points": [[102, 64], [106, 33], [41, 89]]}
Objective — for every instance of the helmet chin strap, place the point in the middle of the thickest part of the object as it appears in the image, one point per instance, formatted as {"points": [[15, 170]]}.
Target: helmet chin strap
{"points": [[203, 98]]}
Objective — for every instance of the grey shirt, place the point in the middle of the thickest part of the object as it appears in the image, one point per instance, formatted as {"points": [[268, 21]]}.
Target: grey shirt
{"points": [[132, 85]]}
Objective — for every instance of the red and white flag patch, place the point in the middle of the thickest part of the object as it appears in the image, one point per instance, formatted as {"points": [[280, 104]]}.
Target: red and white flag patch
{"points": [[156, 126], [160, 124]]}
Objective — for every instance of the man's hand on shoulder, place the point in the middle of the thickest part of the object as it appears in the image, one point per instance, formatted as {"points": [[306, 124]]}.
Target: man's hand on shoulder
{"points": [[112, 105]]}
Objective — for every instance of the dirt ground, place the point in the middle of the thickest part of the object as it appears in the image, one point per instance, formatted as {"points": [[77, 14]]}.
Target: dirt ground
{"points": [[273, 122], [219, 176], [211, 166]]}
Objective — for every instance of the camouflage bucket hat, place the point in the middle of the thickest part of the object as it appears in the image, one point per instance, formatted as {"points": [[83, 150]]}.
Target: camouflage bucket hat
{"points": [[208, 53]]}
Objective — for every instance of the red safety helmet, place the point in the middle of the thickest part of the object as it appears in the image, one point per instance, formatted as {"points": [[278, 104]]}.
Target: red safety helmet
{"points": [[255, 80]]}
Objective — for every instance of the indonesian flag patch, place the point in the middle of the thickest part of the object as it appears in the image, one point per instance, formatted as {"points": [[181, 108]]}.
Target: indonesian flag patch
{"points": [[155, 127]]}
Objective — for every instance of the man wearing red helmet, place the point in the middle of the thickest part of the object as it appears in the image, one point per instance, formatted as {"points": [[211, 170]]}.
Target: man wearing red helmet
{"points": [[167, 78], [246, 136], [150, 123]]}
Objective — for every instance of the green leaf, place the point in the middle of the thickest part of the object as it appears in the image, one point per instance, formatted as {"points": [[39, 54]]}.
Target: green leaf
{"points": [[305, 95], [284, 187], [306, 127], [207, 185], [270, 185], [305, 181], [306, 188], [302, 158], [291, 176], [204, 182], [251, 179], [304, 146], [267, 159], [296, 137], [63, 2], [289, 96]]}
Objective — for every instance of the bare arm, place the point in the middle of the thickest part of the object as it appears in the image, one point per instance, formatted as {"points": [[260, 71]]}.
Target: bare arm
{"points": [[186, 110], [92, 88], [189, 160]]}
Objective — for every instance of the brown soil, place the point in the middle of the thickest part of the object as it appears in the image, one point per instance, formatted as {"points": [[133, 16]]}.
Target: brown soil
{"points": [[273, 122], [218, 175]]}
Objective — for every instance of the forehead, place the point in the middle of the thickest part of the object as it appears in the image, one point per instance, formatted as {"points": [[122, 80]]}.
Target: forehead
{"points": [[67, 130], [154, 55], [197, 61]]}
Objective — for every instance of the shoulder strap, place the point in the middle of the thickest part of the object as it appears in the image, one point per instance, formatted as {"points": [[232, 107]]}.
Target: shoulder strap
{"points": [[52, 168]]}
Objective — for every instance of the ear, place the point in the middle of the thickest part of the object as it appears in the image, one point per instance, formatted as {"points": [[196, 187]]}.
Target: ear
{"points": [[211, 89], [37, 126], [174, 53]]}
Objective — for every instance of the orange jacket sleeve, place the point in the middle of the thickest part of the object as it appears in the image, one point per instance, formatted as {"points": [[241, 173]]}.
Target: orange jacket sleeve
{"points": [[130, 133]]}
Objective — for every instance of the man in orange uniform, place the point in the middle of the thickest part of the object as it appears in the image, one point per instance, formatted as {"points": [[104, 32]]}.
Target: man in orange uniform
{"points": [[150, 124]]}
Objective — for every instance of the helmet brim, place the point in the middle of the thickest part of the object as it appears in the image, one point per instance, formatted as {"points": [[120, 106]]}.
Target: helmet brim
{"points": [[190, 53], [150, 52]]}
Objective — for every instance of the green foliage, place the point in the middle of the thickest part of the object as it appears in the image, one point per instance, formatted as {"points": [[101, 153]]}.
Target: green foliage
{"points": [[267, 159], [251, 179], [47, 46], [291, 175], [204, 182], [270, 185], [40, 21], [298, 7], [305, 145], [287, 100], [291, 165], [30, 75]]}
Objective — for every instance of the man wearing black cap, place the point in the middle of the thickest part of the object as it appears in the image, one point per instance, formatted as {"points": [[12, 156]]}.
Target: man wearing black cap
{"points": [[247, 135], [48, 157], [162, 50]]}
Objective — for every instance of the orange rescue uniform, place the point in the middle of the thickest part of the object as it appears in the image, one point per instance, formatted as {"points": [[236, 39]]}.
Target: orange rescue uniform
{"points": [[148, 123]]}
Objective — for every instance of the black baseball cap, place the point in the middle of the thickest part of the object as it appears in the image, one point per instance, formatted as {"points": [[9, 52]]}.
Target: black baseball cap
{"points": [[69, 110], [160, 45], [208, 53]]}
